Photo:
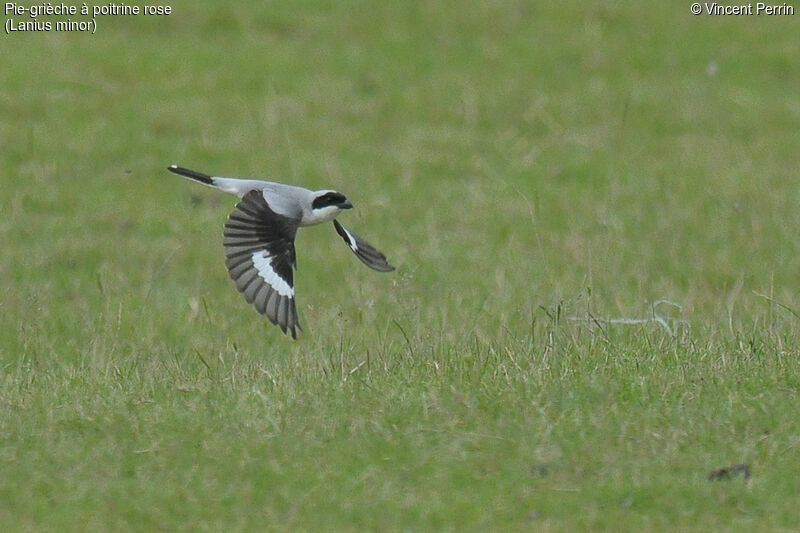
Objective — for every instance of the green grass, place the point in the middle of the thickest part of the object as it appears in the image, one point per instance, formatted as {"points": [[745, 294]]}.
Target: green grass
{"points": [[539, 174]]}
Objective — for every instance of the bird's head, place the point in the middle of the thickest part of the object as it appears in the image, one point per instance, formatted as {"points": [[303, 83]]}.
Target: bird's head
{"points": [[327, 204]]}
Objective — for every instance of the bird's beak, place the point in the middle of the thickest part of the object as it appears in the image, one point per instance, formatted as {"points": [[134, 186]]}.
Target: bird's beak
{"points": [[346, 205]]}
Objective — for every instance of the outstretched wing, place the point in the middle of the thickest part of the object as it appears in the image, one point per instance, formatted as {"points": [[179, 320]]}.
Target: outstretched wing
{"points": [[260, 256], [368, 255]]}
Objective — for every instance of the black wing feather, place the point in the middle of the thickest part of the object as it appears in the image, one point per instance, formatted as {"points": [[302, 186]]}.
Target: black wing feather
{"points": [[363, 250], [254, 230]]}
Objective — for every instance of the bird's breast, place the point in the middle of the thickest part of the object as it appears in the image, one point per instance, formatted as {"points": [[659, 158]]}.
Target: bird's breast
{"points": [[318, 216]]}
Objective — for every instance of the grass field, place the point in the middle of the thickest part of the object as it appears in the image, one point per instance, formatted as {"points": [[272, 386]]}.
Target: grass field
{"points": [[593, 212]]}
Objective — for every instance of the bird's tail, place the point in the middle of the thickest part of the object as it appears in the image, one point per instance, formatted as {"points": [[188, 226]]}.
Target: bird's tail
{"points": [[192, 174]]}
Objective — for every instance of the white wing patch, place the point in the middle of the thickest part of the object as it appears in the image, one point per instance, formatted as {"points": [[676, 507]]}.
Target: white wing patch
{"points": [[261, 260], [351, 240]]}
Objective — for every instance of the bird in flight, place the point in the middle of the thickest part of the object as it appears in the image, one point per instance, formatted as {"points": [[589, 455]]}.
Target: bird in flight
{"points": [[259, 239]]}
